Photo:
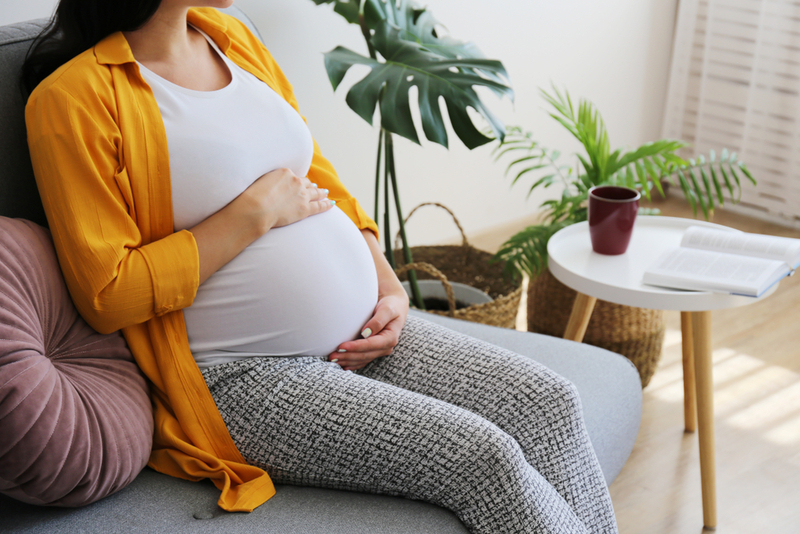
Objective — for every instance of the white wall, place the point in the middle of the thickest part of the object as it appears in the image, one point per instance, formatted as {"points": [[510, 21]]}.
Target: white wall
{"points": [[15, 10], [616, 53]]}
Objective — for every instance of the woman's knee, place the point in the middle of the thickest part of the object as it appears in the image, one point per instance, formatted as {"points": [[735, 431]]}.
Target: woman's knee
{"points": [[496, 455], [567, 394]]}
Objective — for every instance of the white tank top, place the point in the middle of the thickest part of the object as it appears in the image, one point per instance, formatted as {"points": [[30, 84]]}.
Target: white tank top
{"points": [[300, 289]]}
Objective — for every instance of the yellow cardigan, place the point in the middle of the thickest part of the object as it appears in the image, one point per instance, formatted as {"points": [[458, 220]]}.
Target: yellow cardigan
{"points": [[99, 152]]}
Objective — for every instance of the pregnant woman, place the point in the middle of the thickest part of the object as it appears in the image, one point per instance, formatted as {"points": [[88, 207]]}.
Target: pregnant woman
{"points": [[191, 208]]}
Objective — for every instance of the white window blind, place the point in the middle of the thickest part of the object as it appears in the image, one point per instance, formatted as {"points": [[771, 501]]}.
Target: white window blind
{"points": [[735, 83]]}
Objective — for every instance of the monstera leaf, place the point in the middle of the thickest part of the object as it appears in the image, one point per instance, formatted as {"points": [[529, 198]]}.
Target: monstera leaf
{"points": [[417, 24], [435, 75], [407, 51], [347, 9], [401, 14]]}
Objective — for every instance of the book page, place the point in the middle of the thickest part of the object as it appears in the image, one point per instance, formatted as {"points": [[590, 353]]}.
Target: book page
{"points": [[687, 268], [782, 249]]}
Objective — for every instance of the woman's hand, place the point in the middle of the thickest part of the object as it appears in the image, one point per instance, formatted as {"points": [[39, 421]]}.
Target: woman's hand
{"points": [[279, 198], [380, 334], [382, 331]]}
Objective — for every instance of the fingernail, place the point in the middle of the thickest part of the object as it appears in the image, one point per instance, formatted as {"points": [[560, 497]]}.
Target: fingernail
{"points": [[366, 333], [333, 202], [314, 185], [335, 360], [341, 350], [324, 191]]}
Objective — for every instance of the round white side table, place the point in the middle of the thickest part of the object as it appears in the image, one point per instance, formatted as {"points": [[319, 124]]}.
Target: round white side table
{"points": [[618, 279]]}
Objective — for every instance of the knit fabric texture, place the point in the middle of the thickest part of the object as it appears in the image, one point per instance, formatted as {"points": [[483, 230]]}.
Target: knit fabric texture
{"points": [[495, 437]]}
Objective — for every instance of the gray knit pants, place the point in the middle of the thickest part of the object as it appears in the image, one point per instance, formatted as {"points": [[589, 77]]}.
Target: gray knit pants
{"points": [[493, 436]]}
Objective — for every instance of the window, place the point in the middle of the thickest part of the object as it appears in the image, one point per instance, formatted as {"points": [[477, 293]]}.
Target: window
{"points": [[735, 83]]}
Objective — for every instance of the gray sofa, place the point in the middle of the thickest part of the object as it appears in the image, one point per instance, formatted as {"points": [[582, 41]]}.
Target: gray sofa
{"points": [[609, 387]]}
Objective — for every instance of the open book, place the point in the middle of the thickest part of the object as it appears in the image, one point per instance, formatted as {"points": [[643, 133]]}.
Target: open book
{"points": [[726, 262]]}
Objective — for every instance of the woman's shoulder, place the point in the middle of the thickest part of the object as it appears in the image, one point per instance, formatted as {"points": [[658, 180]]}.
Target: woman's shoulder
{"points": [[82, 79], [80, 92]]}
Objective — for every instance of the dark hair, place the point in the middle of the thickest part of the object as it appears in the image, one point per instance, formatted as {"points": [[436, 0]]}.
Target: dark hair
{"points": [[76, 26]]}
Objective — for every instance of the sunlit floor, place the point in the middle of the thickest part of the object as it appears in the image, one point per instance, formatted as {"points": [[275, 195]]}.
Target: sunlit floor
{"points": [[756, 353], [757, 409]]}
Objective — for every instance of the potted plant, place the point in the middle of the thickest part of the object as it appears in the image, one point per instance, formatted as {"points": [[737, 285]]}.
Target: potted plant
{"points": [[405, 51], [702, 181]]}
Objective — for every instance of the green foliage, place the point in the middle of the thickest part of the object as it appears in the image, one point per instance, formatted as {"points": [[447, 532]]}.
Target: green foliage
{"points": [[526, 251], [347, 9], [406, 51], [702, 180]]}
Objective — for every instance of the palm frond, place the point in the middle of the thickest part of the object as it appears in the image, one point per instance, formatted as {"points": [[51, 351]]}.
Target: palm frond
{"points": [[708, 188], [538, 156], [701, 180], [526, 251]]}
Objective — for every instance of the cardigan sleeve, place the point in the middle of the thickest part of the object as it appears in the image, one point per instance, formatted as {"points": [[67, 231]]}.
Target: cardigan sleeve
{"points": [[323, 174], [114, 278]]}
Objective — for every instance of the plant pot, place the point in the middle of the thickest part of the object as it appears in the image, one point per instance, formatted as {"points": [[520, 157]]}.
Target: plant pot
{"points": [[467, 265], [636, 333], [496, 312], [433, 290]]}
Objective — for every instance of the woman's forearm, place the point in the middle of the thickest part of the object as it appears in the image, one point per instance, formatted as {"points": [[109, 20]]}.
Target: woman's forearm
{"points": [[222, 236], [388, 283]]}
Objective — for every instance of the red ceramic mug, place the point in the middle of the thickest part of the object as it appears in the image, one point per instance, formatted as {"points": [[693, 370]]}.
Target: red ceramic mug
{"points": [[612, 212]]}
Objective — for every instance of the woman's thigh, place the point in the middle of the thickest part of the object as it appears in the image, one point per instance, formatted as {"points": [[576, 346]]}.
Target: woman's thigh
{"points": [[520, 395], [540, 409], [298, 418], [308, 422]]}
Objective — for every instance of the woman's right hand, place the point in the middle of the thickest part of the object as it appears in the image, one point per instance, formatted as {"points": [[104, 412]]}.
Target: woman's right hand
{"points": [[279, 198]]}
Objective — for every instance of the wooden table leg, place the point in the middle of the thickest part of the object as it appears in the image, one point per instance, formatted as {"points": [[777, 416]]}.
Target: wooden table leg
{"points": [[701, 333], [579, 318], [689, 402]]}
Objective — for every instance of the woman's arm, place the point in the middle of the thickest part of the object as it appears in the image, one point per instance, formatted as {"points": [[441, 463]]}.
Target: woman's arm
{"points": [[115, 279], [382, 331]]}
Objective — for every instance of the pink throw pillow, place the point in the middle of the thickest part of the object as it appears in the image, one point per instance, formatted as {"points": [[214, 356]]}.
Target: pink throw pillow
{"points": [[75, 418]]}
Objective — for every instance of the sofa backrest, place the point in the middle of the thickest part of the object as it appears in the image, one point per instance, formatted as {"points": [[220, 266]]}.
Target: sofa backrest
{"points": [[18, 194]]}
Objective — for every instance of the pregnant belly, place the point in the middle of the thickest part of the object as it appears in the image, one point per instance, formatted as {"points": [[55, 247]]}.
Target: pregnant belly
{"points": [[300, 289]]}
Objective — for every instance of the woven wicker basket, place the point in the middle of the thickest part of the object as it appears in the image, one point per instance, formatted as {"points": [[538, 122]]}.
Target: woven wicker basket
{"points": [[467, 265], [636, 333]]}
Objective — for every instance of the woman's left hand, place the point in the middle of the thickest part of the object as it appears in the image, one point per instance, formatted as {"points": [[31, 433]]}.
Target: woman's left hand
{"points": [[382, 331], [380, 334]]}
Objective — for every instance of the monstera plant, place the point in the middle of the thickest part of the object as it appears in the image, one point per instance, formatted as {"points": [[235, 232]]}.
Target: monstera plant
{"points": [[406, 50]]}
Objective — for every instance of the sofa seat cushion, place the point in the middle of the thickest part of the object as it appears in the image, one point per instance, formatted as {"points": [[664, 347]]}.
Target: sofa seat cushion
{"points": [[75, 414]]}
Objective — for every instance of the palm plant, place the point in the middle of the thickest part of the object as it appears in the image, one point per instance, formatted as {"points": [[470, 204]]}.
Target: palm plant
{"points": [[702, 179], [405, 51]]}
